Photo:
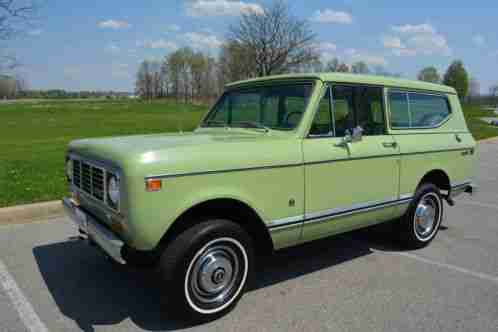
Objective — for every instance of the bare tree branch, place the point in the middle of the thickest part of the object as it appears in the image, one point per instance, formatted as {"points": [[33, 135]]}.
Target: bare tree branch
{"points": [[274, 40], [15, 17]]}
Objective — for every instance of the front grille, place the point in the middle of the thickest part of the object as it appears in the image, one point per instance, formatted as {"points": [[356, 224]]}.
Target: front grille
{"points": [[86, 178], [98, 183], [77, 173], [90, 179]]}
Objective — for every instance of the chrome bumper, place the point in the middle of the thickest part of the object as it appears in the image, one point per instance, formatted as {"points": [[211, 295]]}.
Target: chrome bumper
{"points": [[105, 239], [468, 188]]}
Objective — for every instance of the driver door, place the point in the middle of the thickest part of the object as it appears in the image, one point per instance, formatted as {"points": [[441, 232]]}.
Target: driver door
{"points": [[349, 184]]}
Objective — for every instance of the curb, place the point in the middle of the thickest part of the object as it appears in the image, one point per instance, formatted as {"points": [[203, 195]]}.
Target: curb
{"points": [[23, 214], [489, 140]]}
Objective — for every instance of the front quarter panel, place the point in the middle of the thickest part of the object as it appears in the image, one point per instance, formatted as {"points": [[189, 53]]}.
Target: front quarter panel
{"points": [[263, 175]]}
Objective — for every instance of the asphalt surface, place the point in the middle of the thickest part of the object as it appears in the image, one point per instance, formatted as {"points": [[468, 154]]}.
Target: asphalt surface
{"points": [[355, 282]]}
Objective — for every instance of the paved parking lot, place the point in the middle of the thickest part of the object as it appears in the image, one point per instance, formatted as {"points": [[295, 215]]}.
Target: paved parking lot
{"points": [[355, 282]]}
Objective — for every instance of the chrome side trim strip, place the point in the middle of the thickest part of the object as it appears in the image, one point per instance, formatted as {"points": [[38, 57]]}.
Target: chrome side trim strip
{"points": [[461, 184], [335, 211], [327, 215], [257, 168], [405, 196], [349, 212], [460, 188], [284, 221]]}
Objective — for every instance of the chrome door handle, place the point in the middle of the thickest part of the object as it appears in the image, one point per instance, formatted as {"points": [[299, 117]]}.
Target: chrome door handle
{"points": [[393, 145]]}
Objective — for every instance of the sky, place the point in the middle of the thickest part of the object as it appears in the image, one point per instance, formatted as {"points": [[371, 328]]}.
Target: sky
{"points": [[98, 45]]}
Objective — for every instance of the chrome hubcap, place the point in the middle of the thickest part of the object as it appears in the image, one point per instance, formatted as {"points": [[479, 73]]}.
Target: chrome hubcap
{"points": [[427, 216], [216, 274]]}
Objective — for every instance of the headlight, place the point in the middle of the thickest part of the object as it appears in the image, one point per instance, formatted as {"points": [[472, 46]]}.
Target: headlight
{"points": [[69, 170], [113, 190]]}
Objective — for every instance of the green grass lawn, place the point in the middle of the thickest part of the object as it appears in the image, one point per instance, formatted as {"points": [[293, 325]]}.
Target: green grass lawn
{"points": [[479, 128], [34, 136]]}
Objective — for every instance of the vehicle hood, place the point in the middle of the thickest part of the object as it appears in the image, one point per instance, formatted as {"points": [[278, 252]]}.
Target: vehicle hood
{"points": [[202, 150]]}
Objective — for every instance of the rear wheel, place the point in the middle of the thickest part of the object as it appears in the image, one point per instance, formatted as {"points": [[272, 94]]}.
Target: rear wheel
{"points": [[205, 270], [421, 222]]}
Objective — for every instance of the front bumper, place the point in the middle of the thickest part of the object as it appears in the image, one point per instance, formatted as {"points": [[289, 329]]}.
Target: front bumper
{"points": [[97, 233]]}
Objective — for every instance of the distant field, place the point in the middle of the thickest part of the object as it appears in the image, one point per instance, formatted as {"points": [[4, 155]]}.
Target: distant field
{"points": [[34, 136]]}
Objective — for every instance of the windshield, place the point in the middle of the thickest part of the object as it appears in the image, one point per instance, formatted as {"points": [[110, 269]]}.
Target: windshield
{"points": [[279, 107]]}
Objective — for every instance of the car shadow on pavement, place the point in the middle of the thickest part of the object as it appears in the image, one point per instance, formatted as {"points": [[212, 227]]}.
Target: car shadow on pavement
{"points": [[91, 290]]}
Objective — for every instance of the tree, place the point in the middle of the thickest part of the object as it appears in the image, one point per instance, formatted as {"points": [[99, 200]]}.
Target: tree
{"points": [[360, 67], [343, 68], [148, 82], [382, 71], [15, 16], [429, 74], [456, 76], [493, 91], [274, 40], [332, 65], [234, 63]]}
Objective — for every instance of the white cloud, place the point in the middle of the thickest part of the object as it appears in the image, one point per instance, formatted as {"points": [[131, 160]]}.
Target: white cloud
{"points": [[354, 55], [327, 50], [372, 60], [479, 40], [420, 28], [199, 8], [159, 44], [404, 52], [412, 40], [326, 47], [392, 42], [202, 41], [332, 16], [113, 24], [35, 32], [173, 28], [429, 44]]}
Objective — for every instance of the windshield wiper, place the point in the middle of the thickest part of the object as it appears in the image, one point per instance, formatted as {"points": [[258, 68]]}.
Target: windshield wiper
{"points": [[252, 124]]}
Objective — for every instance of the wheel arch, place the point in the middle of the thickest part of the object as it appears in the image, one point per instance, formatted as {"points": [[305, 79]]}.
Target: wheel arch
{"points": [[438, 177], [223, 208]]}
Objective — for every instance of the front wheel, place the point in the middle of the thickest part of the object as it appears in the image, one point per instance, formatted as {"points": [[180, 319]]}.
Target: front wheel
{"points": [[421, 222], [205, 270]]}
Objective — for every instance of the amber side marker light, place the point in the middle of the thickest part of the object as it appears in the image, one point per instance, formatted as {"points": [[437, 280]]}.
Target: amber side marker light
{"points": [[153, 185]]}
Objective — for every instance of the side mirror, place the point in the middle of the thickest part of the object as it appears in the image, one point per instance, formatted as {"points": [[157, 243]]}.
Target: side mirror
{"points": [[352, 136], [357, 134]]}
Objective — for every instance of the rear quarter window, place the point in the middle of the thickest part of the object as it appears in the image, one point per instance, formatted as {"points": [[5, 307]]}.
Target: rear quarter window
{"points": [[417, 110]]}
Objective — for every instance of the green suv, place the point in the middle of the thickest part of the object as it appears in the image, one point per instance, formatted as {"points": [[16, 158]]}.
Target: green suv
{"points": [[276, 162]]}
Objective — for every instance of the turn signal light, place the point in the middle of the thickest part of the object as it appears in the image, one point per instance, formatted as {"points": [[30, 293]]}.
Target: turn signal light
{"points": [[153, 184]]}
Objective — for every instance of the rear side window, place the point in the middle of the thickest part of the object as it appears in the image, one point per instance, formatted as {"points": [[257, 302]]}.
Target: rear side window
{"points": [[417, 110]]}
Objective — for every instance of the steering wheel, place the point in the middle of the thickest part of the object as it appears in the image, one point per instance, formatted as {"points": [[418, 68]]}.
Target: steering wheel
{"points": [[289, 115]]}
